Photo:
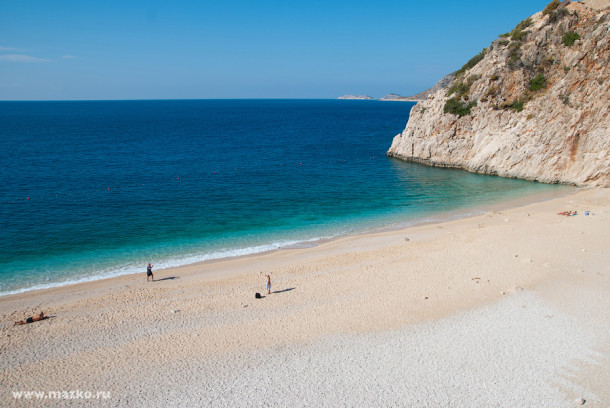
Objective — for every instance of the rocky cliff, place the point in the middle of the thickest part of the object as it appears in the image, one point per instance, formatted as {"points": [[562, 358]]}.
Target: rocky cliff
{"points": [[443, 83], [534, 105]]}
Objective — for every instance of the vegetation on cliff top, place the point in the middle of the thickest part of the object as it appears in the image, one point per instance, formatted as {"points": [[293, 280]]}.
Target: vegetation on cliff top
{"points": [[519, 33], [536, 68], [461, 88], [551, 7], [557, 15], [471, 63]]}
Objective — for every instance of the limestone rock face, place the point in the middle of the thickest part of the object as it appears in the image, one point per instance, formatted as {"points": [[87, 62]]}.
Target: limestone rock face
{"points": [[542, 105]]}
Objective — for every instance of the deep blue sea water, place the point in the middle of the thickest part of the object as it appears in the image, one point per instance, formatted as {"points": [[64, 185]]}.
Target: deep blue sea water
{"points": [[98, 189]]}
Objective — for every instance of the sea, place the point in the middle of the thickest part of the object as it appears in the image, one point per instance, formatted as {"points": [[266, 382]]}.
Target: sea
{"points": [[96, 189]]}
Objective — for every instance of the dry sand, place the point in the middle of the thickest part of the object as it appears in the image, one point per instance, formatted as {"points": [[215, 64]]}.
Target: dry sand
{"points": [[509, 308]]}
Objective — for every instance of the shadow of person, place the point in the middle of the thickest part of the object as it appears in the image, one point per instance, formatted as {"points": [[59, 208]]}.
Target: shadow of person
{"points": [[283, 290], [168, 278]]}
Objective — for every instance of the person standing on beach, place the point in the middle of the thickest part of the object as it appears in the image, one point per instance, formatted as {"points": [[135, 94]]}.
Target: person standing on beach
{"points": [[268, 284], [149, 273]]}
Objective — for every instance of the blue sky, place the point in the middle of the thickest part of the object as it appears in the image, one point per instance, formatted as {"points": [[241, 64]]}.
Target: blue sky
{"points": [[56, 50]]}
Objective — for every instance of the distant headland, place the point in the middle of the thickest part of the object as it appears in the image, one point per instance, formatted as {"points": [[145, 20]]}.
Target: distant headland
{"points": [[422, 96], [358, 97]]}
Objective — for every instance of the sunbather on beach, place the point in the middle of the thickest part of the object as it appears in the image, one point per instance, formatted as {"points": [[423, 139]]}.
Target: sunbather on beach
{"points": [[568, 213], [32, 319]]}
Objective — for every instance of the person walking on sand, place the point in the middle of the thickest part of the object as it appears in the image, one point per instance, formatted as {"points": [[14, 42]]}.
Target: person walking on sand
{"points": [[268, 284], [149, 273]]}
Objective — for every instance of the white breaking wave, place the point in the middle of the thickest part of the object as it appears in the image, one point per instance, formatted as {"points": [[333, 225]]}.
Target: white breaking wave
{"points": [[193, 258], [171, 262]]}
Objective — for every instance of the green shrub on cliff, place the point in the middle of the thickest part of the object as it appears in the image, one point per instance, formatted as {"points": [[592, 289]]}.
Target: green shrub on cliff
{"points": [[550, 7], [523, 24], [514, 54], [569, 38], [492, 92], [537, 83], [518, 33], [461, 88], [456, 107], [472, 62], [558, 14], [516, 105], [566, 100]]}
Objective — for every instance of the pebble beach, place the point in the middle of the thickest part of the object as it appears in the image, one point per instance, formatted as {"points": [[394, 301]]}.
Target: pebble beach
{"points": [[508, 308]]}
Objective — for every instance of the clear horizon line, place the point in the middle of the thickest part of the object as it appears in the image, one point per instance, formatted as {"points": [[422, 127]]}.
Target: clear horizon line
{"points": [[188, 99]]}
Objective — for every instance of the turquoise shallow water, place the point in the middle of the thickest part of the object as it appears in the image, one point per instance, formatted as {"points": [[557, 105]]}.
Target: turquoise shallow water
{"points": [[98, 189]]}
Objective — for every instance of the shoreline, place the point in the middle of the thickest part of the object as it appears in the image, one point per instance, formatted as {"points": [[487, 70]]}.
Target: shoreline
{"points": [[440, 217], [506, 308]]}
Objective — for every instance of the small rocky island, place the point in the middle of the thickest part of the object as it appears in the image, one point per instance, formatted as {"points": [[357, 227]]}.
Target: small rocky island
{"points": [[443, 83], [358, 97]]}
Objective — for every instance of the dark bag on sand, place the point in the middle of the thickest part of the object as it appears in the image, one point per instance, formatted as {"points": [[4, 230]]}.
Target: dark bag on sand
{"points": [[257, 295]]}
